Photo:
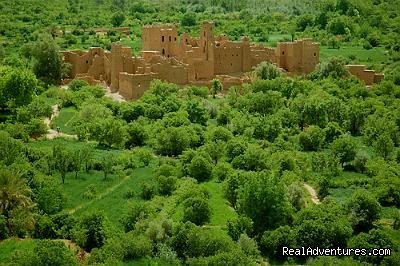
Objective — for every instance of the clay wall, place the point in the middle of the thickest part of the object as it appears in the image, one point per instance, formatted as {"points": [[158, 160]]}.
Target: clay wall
{"points": [[369, 77], [298, 57], [121, 61], [228, 58], [189, 60], [172, 73], [162, 38], [259, 54], [133, 86]]}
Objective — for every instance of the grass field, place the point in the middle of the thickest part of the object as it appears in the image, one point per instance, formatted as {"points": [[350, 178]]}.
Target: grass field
{"points": [[64, 119], [111, 200], [220, 210], [374, 56], [9, 246]]}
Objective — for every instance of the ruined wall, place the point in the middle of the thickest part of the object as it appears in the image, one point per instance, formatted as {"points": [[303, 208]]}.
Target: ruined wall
{"points": [[172, 73], [369, 77], [161, 38], [133, 86], [299, 57], [189, 60], [228, 58], [121, 61]]}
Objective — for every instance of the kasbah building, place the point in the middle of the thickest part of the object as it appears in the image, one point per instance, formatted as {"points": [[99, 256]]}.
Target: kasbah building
{"points": [[186, 60]]}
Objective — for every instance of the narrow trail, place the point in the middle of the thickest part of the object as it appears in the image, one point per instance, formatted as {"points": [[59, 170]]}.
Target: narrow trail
{"points": [[100, 196], [113, 95], [313, 193], [51, 133]]}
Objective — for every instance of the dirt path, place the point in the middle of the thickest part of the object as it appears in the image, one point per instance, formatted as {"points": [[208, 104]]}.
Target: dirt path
{"points": [[100, 196], [313, 193], [51, 133], [113, 95]]}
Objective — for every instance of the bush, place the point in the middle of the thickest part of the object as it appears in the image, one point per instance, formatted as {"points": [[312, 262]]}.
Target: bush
{"points": [[147, 191], [89, 232], [312, 139], [238, 226], [188, 19], [3, 228], [266, 70], [363, 209], [200, 168], [136, 246], [196, 210], [221, 171], [77, 84], [46, 252], [166, 185]]}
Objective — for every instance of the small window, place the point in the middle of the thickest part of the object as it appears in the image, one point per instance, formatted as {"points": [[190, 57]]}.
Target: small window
{"points": [[204, 33], [175, 39], [283, 52], [163, 51], [162, 38], [169, 38], [168, 56], [87, 62], [315, 54]]}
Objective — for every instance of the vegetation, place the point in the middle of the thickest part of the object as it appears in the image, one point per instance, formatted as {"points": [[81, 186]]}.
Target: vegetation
{"points": [[187, 175]]}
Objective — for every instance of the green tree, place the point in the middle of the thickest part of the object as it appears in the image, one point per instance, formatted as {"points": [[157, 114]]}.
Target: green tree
{"points": [[46, 253], [322, 226], [363, 210], [17, 88], [77, 160], [344, 148], [264, 200], [172, 141], [196, 210], [117, 19], [196, 111], [312, 139], [375, 238], [272, 242], [266, 70], [15, 196], [166, 185], [188, 19], [384, 145], [333, 67], [48, 64], [62, 160], [87, 154], [109, 132], [90, 231], [107, 163], [238, 226], [216, 87], [200, 168]]}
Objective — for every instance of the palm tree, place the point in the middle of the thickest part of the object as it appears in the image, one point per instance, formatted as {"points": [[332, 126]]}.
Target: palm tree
{"points": [[14, 192]]}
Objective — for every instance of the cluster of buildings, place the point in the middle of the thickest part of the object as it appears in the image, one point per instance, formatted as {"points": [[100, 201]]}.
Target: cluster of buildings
{"points": [[186, 60]]}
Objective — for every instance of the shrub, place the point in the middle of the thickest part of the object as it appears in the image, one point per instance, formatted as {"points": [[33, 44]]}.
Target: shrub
{"points": [[166, 185], [196, 210], [266, 70]]}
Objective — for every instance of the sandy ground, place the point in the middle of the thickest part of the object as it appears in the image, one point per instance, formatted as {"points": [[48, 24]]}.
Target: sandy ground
{"points": [[313, 193]]}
